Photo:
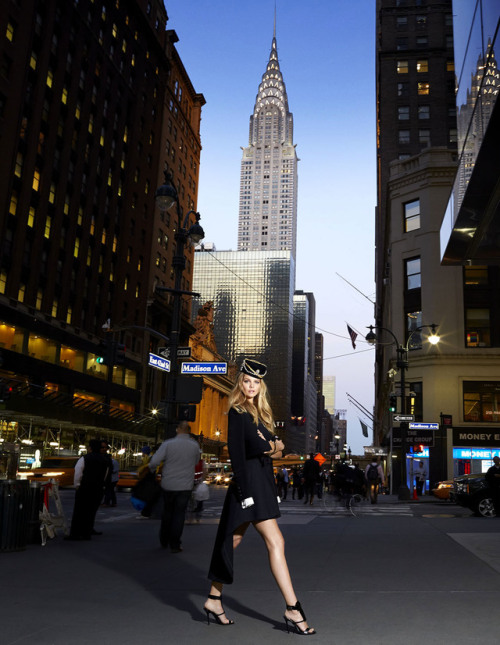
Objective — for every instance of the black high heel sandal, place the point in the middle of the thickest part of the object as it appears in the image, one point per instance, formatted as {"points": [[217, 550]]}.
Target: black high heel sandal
{"points": [[303, 632], [216, 616]]}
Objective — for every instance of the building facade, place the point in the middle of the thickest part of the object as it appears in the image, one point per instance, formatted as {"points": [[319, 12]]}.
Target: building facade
{"points": [[268, 183], [449, 383], [304, 402], [94, 105]]}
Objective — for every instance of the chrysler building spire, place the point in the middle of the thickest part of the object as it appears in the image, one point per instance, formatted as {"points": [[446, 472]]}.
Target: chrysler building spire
{"points": [[268, 188]]}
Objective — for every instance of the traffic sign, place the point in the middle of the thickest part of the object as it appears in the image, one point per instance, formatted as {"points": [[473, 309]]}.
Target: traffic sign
{"points": [[403, 417], [159, 362], [203, 368], [182, 352], [424, 426]]}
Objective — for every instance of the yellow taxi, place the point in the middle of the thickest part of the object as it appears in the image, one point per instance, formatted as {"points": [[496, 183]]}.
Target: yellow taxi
{"points": [[62, 469]]}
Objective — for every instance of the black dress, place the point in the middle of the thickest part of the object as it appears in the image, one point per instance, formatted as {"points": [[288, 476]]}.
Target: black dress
{"points": [[253, 477]]}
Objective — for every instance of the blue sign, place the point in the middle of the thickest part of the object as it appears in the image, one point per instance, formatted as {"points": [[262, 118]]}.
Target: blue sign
{"points": [[424, 426], [203, 368], [159, 362], [475, 453]]}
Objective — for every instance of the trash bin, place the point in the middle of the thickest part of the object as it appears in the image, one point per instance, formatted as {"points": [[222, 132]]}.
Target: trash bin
{"points": [[14, 514]]}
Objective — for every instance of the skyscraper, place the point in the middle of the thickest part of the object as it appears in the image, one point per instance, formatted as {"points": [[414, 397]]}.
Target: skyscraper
{"points": [[252, 297], [268, 184]]}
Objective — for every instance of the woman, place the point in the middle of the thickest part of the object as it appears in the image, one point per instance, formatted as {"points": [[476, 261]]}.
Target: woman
{"points": [[251, 498]]}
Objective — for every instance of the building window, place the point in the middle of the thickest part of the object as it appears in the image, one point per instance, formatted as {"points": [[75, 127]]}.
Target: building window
{"points": [[403, 89], [413, 322], [402, 22], [402, 67], [481, 401], [422, 42], [423, 89], [404, 113], [475, 275], [412, 274], [422, 66], [452, 135], [404, 136], [424, 137], [424, 112], [450, 66], [402, 44], [477, 328], [412, 215], [421, 22]]}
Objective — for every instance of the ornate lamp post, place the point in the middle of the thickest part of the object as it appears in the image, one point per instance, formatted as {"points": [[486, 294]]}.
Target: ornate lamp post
{"points": [[166, 196], [402, 365]]}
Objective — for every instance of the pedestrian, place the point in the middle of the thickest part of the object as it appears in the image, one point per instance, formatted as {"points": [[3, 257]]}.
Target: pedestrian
{"points": [[251, 497], [179, 456], [295, 481], [493, 480], [311, 477], [201, 492], [284, 483], [374, 474], [110, 490], [92, 473], [420, 477]]}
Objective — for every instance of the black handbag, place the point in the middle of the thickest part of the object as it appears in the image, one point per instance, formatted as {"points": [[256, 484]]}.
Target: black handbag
{"points": [[147, 489]]}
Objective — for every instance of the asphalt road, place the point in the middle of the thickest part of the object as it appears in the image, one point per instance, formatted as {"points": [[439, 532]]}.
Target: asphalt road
{"points": [[395, 573]]}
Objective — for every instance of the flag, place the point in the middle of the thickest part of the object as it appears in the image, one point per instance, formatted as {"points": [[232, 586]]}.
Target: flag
{"points": [[364, 428], [353, 336]]}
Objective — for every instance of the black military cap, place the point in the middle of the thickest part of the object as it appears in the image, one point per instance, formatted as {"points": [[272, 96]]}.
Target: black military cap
{"points": [[253, 368]]}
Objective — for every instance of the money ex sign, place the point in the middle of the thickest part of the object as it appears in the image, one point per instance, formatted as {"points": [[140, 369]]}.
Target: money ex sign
{"points": [[204, 368]]}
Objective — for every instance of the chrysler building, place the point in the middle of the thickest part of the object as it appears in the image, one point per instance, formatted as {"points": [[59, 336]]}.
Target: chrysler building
{"points": [[268, 184]]}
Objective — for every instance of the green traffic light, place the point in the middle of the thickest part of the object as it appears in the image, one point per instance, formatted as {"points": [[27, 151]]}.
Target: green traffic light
{"points": [[99, 360]]}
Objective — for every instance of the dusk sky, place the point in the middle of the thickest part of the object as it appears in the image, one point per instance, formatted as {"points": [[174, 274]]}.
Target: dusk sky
{"points": [[326, 51]]}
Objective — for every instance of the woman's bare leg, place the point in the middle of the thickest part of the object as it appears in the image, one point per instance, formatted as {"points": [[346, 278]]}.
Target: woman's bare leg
{"points": [[216, 588], [275, 543]]}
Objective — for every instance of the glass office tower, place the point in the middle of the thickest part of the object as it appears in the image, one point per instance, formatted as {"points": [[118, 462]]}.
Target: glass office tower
{"points": [[252, 295]]}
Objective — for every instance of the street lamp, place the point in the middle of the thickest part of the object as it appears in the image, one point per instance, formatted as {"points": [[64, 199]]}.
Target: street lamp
{"points": [[402, 364], [166, 196]]}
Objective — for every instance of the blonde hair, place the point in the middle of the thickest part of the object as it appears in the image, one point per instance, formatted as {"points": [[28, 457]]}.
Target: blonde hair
{"points": [[259, 409]]}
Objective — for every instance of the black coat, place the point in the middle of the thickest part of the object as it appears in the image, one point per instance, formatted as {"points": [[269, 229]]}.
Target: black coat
{"points": [[253, 477]]}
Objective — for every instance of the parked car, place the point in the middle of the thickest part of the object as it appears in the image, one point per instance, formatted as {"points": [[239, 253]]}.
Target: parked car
{"points": [[444, 490], [472, 492], [62, 469]]}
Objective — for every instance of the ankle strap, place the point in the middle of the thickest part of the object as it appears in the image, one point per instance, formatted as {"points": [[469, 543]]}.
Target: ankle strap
{"points": [[212, 597], [297, 607]]}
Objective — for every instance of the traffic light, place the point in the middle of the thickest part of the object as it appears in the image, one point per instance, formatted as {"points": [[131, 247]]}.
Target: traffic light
{"points": [[119, 354], [186, 412], [5, 392], [105, 356], [393, 403]]}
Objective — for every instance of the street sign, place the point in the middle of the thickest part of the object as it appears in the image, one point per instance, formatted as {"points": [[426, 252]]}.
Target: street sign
{"points": [[182, 352], [159, 362], [203, 368], [424, 426], [413, 437], [403, 417]]}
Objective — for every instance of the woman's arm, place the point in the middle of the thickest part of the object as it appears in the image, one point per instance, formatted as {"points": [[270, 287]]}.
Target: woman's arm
{"points": [[237, 453]]}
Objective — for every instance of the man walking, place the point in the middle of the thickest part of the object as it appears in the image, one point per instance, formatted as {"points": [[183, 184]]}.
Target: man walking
{"points": [[179, 456], [374, 474]]}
